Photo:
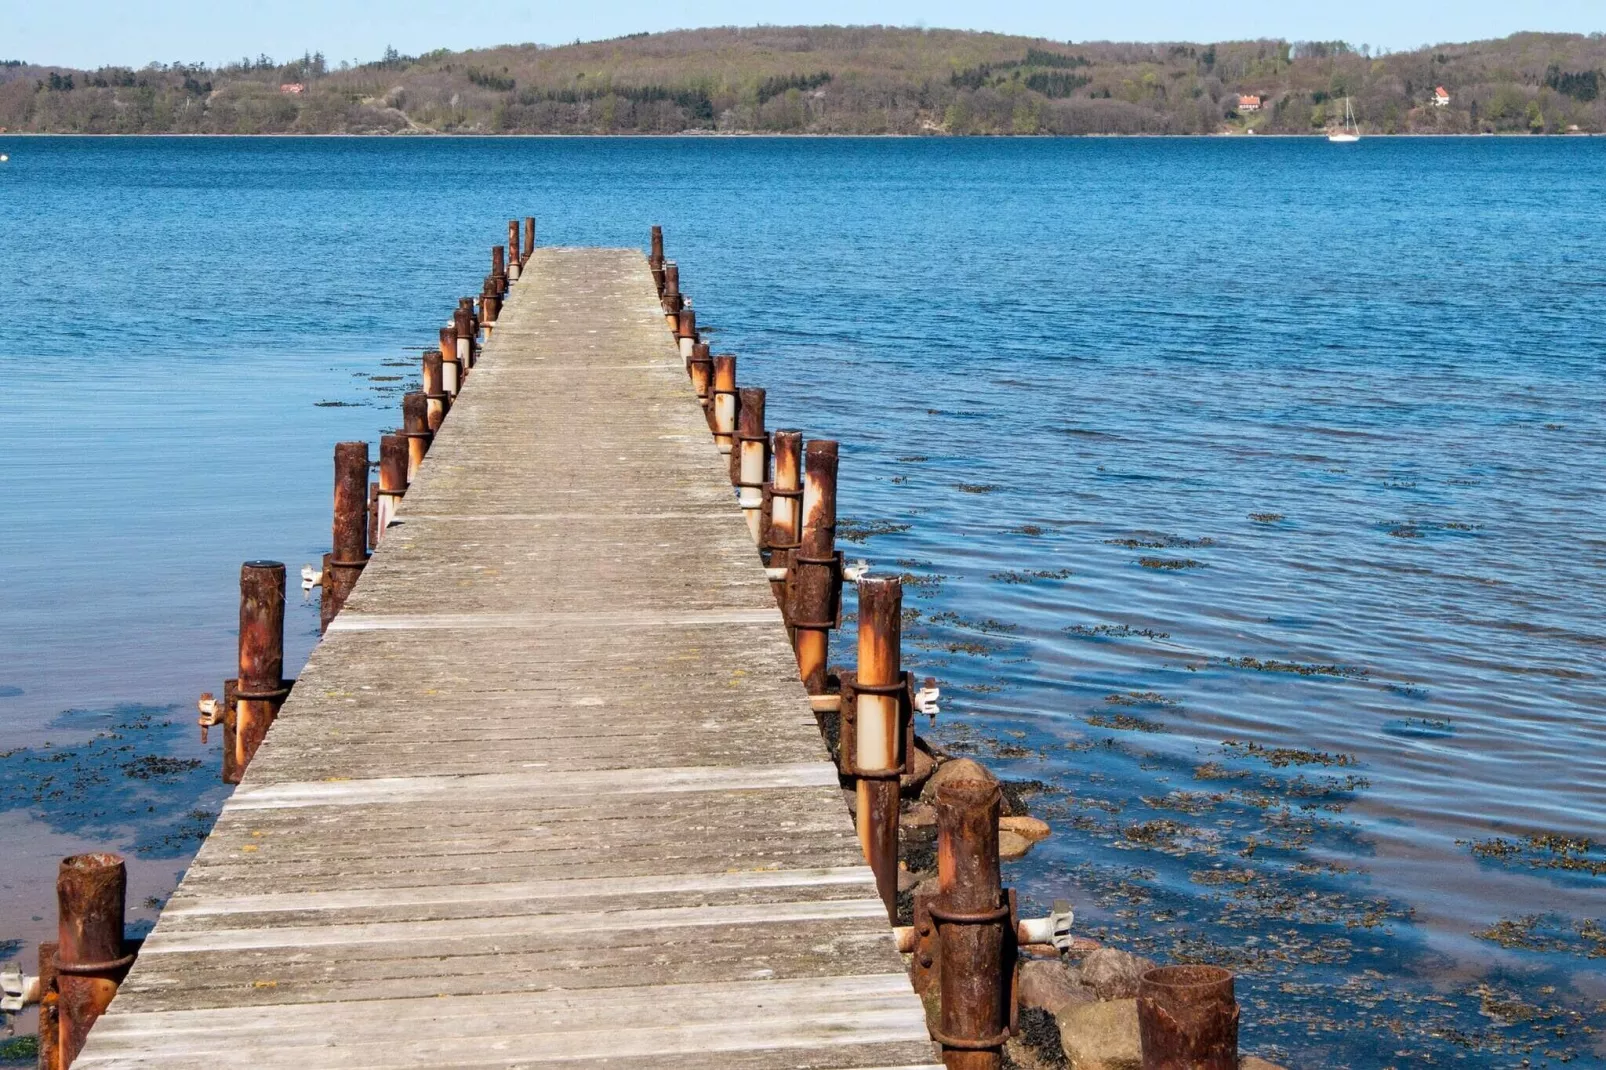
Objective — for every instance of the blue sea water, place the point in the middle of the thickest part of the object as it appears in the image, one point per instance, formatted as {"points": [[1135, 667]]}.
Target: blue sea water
{"points": [[1252, 495]]}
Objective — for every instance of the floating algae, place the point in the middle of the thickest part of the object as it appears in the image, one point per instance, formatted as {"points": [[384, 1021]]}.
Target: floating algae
{"points": [[1123, 722], [1115, 631], [1029, 575], [1298, 668], [1170, 564], [859, 531], [1162, 542]]}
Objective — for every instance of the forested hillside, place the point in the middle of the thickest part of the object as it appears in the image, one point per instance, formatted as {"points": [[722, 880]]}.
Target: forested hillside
{"points": [[836, 80]]}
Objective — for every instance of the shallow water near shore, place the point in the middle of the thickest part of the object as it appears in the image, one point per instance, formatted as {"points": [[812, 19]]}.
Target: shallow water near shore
{"points": [[1250, 496]]}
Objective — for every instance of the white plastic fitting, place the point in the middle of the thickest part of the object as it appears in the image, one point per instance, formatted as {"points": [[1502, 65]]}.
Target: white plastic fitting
{"points": [[17, 989], [310, 579]]}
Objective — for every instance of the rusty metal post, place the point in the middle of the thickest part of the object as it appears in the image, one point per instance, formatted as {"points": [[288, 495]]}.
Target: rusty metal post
{"points": [[879, 730], [435, 395], [750, 458], [686, 334], [725, 401], [671, 299], [701, 371], [415, 429], [785, 497], [49, 1002], [529, 240], [1188, 1019], [259, 691], [490, 306], [498, 267], [463, 335], [814, 588], [392, 479], [373, 515], [974, 927], [231, 732], [656, 257], [91, 890], [350, 545]]}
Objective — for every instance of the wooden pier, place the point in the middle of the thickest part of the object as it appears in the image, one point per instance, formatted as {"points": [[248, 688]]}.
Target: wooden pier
{"points": [[550, 790]]}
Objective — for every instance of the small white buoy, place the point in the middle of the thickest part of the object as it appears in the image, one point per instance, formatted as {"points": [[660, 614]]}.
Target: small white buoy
{"points": [[4, 158]]}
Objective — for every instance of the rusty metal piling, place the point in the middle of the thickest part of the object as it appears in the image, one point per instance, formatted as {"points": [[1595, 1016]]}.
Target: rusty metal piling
{"points": [[49, 1008], [686, 334], [415, 429], [91, 962], [435, 396], [750, 459], [529, 241], [783, 530], [974, 928], [814, 588], [701, 371], [880, 719], [259, 690], [350, 545], [392, 480], [725, 401]]}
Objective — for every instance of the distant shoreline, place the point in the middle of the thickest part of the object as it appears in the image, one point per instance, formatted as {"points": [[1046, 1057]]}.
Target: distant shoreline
{"points": [[699, 135]]}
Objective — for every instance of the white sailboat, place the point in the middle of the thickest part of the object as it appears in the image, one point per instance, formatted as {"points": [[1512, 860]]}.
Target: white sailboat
{"points": [[1350, 131]]}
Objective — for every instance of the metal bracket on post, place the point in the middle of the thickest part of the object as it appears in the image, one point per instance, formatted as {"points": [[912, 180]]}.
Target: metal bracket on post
{"points": [[848, 709]]}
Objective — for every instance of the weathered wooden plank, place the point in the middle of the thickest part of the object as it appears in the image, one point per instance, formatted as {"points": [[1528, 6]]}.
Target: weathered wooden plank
{"points": [[549, 791]]}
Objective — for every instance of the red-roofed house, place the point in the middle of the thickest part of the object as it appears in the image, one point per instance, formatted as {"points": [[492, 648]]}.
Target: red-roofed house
{"points": [[1440, 97], [1248, 102], [292, 87]]}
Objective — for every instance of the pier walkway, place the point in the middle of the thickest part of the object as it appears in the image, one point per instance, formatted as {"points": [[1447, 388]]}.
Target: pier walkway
{"points": [[549, 791]]}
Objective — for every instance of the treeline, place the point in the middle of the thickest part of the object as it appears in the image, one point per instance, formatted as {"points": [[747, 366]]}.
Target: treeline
{"points": [[841, 80]]}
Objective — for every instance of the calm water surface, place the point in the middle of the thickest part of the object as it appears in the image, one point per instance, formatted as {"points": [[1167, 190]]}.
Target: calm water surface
{"points": [[1250, 493]]}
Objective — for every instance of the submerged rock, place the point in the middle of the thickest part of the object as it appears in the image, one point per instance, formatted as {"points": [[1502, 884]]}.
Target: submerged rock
{"points": [[1101, 1036]]}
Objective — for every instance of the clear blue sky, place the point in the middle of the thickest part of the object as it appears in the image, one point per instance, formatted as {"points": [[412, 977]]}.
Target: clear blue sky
{"points": [[89, 33]]}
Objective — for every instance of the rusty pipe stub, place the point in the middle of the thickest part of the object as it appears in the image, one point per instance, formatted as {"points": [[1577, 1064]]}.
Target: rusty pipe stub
{"points": [[1188, 1018]]}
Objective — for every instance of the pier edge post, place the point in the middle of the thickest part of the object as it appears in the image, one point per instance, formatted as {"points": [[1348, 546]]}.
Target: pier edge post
{"points": [[91, 893], [259, 690], [975, 925], [814, 586]]}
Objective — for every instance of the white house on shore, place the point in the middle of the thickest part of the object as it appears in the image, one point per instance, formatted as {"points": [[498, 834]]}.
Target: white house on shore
{"points": [[1248, 102], [1441, 98]]}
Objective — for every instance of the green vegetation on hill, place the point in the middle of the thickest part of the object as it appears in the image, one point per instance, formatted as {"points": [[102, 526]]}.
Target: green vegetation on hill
{"points": [[840, 80]]}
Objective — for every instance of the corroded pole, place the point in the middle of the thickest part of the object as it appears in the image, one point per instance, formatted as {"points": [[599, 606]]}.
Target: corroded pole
{"points": [[656, 257], [725, 401], [973, 922], [879, 731], [415, 429], [529, 240], [686, 333], [1188, 1019], [259, 690], [49, 1004], [392, 479], [750, 460], [91, 890], [785, 497], [435, 395], [701, 370], [349, 551], [498, 268], [463, 334], [815, 582]]}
